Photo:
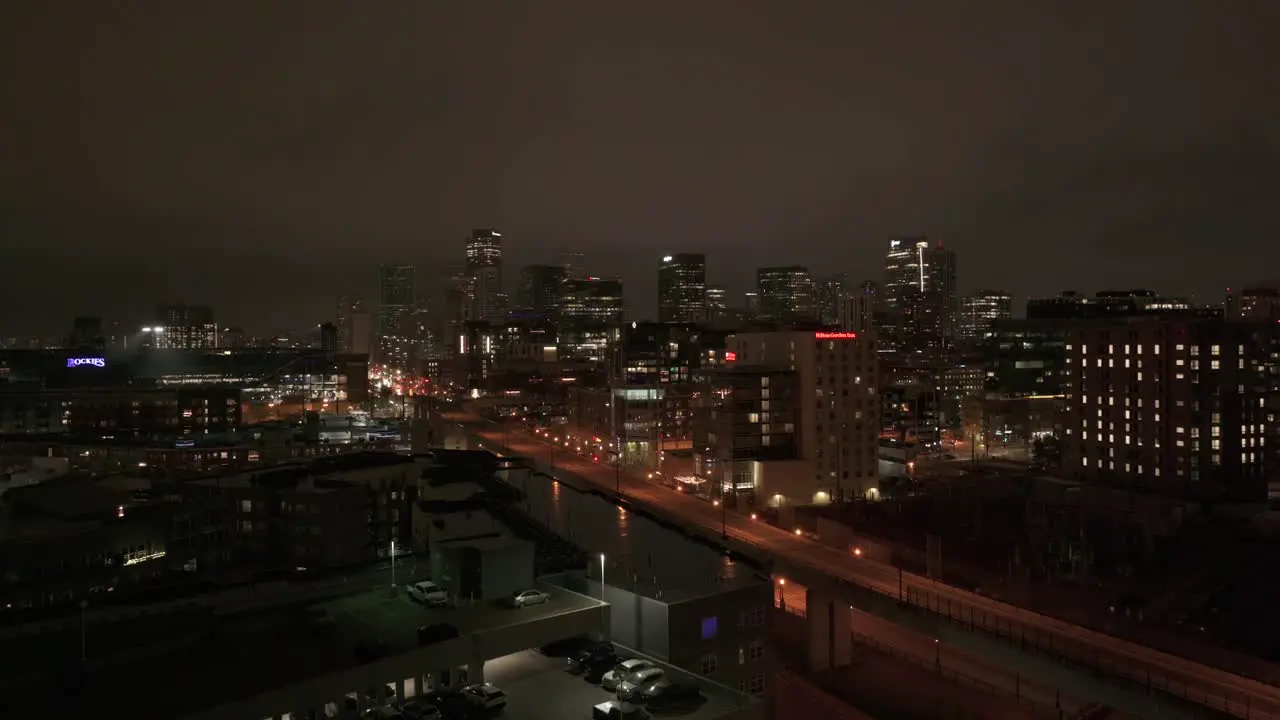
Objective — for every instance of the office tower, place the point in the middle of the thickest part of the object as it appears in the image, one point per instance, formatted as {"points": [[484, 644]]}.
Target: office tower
{"points": [[920, 293], [682, 288], [484, 268], [857, 312], [831, 291], [751, 305], [348, 309], [538, 294], [978, 311], [328, 337], [396, 300], [838, 435], [184, 327], [786, 294], [717, 302], [589, 318], [1181, 404]]}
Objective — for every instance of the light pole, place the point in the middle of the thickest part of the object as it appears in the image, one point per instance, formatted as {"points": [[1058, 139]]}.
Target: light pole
{"points": [[617, 468], [602, 576], [84, 649], [393, 564]]}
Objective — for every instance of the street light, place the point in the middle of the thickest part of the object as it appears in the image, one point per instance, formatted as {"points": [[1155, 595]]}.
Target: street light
{"points": [[393, 564], [602, 576]]}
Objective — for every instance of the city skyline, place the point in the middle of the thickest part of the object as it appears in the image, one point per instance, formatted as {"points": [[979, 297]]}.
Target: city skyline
{"points": [[1132, 164]]}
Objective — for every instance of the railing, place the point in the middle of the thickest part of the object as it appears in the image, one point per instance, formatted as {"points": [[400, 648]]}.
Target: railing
{"points": [[1083, 655], [948, 672]]}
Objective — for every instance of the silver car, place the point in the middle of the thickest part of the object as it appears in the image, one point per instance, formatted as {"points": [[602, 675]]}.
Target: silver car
{"points": [[633, 687], [622, 672], [524, 598]]}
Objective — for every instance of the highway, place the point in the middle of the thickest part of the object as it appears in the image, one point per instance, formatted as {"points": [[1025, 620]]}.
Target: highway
{"points": [[1216, 689]]}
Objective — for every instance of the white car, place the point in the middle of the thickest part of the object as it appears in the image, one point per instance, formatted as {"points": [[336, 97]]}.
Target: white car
{"points": [[485, 696], [623, 672], [524, 598], [428, 592], [631, 688]]}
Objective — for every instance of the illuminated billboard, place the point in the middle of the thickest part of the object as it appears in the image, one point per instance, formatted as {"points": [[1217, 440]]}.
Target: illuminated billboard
{"points": [[83, 361], [835, 336]]}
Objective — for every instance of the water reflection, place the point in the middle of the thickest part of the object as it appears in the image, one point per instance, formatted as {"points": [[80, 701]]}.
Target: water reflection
{"points": [[640, 552]]}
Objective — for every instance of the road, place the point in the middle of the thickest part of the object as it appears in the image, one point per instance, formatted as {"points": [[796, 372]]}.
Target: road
{"points": [[1218, 689], [951, 662]]}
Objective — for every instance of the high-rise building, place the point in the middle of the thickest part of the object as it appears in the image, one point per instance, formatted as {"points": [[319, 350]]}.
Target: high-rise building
{"points": [[484, 268], [838, 435], [717, 302], [1183, 404], [979, 310], [857, 312], [751, 304], [396, 301], [682, 288], [348, 309], [904, 269], [184, 327], [831, 291], [920, 292], [589, 318], [538, 294], [786, 294]]}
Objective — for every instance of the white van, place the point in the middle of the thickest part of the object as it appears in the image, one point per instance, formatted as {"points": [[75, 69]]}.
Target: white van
{"points": [[428, 592]]}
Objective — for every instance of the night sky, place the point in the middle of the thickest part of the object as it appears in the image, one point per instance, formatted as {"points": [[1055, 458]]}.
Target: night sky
{"points": [[263, 157]]}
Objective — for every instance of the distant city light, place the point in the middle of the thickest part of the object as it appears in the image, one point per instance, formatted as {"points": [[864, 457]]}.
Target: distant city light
{"points": [[730, 356]]}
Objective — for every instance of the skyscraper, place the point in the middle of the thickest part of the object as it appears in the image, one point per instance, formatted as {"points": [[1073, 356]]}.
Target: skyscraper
{"points": [[787, 294], [682, 288], [920, 294], [589, 317], [396, 297], [717, 304], [831, 291], [979, 310], [484, 268], [538, 295]]}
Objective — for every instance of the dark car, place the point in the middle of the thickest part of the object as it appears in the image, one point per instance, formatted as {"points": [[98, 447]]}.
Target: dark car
{"points": [[429, 634], [672, 696], [568, 647], [597, 654], [594, 668], [453, 704]]}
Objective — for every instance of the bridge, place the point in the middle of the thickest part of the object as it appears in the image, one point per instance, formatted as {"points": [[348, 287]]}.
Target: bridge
{"points": [[1044, 651]]}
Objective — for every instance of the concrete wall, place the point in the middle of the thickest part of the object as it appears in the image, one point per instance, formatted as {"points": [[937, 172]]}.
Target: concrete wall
{"points": [[635, 621], [741, 617], [795, 698]]}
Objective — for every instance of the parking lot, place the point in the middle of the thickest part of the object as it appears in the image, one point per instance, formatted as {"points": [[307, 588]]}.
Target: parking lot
{"points": [[539, 688]]}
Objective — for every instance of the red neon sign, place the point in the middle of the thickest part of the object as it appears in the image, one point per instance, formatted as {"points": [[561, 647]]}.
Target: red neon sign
{"points": [[835, 335], [730, 356]]}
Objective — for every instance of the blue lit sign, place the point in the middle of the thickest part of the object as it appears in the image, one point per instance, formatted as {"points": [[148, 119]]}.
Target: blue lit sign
{"points": [[81, 362]]}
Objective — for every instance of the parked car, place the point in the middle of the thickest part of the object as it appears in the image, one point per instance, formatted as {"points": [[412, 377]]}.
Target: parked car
{"points": [[419, 709], [452, 703], [428, 593], [622, 672], [594, 654], [382, 712], [633, 687], [666, 695], [486, 696], [525, 598], [429, 634]]}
